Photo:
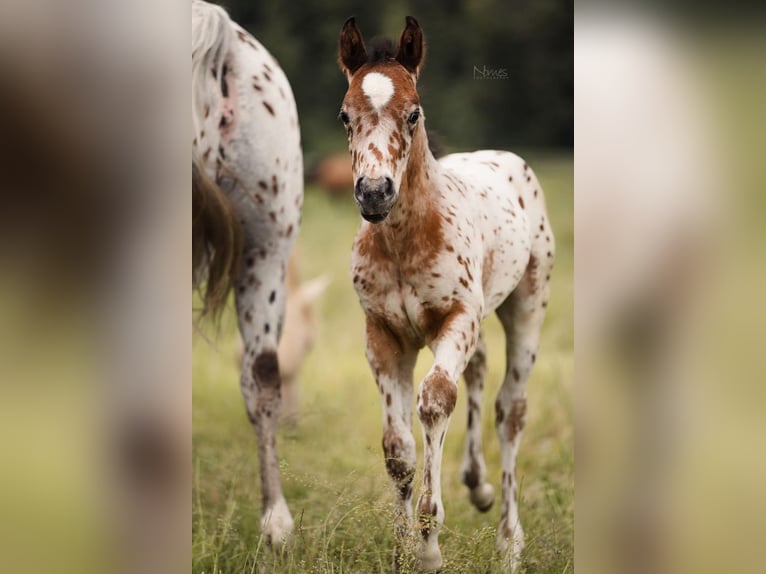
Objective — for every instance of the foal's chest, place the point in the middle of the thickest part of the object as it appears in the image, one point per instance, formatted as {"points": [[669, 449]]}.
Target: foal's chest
{"points": [[404, 299]]}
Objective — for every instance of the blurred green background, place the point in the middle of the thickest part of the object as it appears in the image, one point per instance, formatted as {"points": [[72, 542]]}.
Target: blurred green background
{"points": [[531, 39]]}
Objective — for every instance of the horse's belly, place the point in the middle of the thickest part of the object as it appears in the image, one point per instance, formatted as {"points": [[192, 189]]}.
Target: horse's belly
{"points": [[506, 257]]}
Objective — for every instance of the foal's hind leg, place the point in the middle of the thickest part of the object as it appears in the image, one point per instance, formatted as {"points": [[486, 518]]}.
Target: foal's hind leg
{"points": [[260, 308], [522, 317], [474, 470]]}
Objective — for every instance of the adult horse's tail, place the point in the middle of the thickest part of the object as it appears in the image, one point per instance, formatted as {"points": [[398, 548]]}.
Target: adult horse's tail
{"points": [[216, 231]]}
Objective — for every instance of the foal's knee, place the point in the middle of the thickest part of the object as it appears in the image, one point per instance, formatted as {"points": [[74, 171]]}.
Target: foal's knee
{"points": [[399, 452], [438, 394]]}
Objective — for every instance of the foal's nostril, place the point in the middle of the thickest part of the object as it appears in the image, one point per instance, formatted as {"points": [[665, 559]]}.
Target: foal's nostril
{"points": [[359, 193], [388, 191]]}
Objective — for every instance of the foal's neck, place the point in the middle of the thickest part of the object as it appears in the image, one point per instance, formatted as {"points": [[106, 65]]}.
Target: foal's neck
{"points": [[417, 192]]}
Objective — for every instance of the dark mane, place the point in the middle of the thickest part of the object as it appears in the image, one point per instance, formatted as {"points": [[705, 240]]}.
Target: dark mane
{"points": [[383, 50]]}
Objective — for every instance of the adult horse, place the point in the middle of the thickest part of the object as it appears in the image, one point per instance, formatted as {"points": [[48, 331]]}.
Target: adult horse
{"points": [[247, 174], [444, 244]]}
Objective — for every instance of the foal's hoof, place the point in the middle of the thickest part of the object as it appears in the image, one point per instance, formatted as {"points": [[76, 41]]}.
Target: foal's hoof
{"points": [[483, 496], [509, 545], [429, 558], [277, 525]]}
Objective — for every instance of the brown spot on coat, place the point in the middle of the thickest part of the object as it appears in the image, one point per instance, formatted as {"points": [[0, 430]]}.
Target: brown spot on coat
{"points": [[530, 275], [383, 345], [466, 265], [266, 370], [516, 418], [436, 322], [376, 152]]}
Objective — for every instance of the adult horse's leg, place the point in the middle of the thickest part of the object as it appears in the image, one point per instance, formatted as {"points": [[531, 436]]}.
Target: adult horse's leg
{"points": [[522, 317], [392, 364], [260, 308], [436, 401], [474, 470]]}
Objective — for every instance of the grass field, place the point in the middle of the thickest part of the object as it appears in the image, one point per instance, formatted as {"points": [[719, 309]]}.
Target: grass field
{"points": [[332, 463]]}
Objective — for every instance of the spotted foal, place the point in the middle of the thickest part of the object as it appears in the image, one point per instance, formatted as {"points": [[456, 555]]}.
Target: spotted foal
{"points": [[247, 140], [442, 245]]}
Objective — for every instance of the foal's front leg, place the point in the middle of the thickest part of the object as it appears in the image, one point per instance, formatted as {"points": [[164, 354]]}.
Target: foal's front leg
{"points": [[436, 400], [392, 364]]}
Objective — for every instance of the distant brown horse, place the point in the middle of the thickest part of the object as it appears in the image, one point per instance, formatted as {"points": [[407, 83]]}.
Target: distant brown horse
{"points": [[333, 174], [443, 244]]}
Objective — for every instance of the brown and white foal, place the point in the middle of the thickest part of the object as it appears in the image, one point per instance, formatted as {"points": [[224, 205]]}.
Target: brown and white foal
{"points": [[444, 244]]}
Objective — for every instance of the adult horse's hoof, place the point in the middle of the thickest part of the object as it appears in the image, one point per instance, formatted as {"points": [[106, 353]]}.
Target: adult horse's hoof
{"points": [[483, 496], [277, 525]]}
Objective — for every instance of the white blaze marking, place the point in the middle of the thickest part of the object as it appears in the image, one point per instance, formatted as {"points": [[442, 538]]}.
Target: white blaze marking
{"points": [[378, 88]]}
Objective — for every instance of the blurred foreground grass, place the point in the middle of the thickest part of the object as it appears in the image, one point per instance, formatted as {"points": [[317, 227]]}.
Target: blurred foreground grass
{"points": [[332, 464]]}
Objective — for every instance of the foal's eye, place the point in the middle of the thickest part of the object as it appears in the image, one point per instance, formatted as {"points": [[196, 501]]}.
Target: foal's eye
{"points": [[344, 117], [414, 116]]}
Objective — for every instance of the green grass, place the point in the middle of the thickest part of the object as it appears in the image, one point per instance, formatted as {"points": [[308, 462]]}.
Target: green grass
{"points": [[332, 463]]}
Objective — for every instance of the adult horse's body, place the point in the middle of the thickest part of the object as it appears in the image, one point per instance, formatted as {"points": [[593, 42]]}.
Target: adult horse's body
{"points": [[248, 192], [445, 243]]}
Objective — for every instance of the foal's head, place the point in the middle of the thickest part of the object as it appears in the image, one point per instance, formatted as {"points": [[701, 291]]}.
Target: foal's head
{"points": [[381, 113]]}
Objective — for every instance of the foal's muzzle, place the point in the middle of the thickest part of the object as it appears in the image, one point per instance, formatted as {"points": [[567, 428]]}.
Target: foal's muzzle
{"points": [[375, 197]]}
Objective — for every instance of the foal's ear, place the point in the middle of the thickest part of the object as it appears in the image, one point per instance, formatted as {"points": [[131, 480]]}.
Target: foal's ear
{"points": [[351, 51], [412, 47]]}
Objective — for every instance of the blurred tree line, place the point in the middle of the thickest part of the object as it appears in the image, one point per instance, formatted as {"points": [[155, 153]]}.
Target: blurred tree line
{"points": [[530, 39]]}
